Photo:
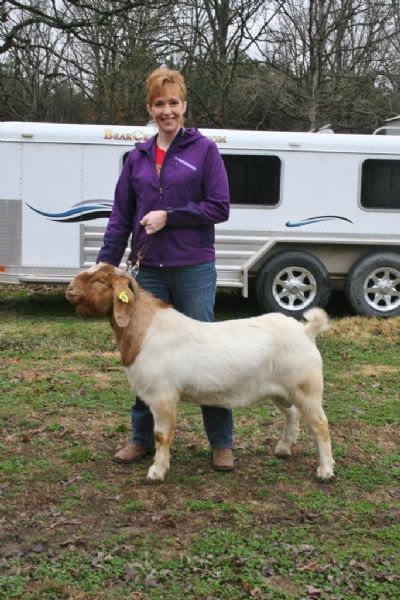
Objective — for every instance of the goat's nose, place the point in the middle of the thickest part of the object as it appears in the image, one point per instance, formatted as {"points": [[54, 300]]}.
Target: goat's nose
{"points": [[70, 291]]}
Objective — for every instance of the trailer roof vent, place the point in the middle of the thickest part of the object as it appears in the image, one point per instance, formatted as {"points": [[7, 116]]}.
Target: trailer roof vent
{"points": [[392, 127]]}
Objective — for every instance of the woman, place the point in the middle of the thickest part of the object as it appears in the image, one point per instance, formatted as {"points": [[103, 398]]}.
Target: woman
{"points": [[172, 190]]}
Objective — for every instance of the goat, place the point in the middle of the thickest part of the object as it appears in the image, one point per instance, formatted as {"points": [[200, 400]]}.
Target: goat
{"points": [[169, 357]]}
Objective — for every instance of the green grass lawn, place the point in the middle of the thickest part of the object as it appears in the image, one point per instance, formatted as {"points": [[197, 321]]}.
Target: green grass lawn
{"points": [[74, 525]]}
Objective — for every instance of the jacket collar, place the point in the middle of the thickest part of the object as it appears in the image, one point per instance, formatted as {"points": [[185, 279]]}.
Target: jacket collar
{"points": [[184, 137]]}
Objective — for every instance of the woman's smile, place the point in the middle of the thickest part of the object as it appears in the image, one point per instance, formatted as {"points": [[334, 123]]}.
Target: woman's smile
{"points": [[167, 110]]}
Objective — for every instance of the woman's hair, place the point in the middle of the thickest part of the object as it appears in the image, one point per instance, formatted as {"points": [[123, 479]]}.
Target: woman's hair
{"points": [[158, 78]]}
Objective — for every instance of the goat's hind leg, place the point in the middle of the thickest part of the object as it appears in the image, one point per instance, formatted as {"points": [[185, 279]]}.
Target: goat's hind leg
{"points": [[164, 414], [314, 416], [290, 430]]}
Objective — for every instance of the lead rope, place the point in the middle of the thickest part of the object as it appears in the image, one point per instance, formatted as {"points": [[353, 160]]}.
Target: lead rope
{"points": [[133, 269]]}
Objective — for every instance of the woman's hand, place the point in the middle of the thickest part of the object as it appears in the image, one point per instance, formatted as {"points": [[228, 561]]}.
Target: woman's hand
{"points": [[154, 221]]}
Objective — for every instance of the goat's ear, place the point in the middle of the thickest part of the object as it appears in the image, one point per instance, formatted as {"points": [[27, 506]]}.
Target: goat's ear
{"points": [[123, 299]]}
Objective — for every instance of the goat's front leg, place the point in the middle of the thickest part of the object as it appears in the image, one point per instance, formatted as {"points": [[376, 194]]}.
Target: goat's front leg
{"points": [[290, 429], [164, 414]]}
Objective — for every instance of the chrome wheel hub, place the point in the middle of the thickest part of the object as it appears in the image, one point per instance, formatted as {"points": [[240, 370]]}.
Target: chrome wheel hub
{"points": [[382, 289], [294, 288]]}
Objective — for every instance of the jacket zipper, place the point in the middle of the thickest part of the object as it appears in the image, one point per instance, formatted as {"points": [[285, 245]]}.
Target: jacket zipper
{"points": [[166, 157], [162, 170]]}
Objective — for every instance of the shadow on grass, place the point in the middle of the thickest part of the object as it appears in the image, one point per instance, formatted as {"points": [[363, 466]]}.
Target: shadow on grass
{"points": [[49, 300], [231, 304], [34, 300]]}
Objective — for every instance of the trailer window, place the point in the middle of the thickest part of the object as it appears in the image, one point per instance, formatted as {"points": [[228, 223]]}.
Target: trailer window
{"points": [[380, 184], [253, 179]]}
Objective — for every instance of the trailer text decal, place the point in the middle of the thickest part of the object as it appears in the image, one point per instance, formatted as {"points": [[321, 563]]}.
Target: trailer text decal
{"points": [[311, 220], [126, 136], [83, 211]]}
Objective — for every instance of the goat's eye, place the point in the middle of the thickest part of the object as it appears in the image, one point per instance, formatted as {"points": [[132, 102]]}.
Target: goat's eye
{"points": [[101, 282]]}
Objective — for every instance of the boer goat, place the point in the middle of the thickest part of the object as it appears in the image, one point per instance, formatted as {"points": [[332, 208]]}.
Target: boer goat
{"points": [[169, 357]]}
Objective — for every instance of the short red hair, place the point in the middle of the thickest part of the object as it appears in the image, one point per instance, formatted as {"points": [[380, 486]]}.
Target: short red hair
{"points": [[159, 78]]}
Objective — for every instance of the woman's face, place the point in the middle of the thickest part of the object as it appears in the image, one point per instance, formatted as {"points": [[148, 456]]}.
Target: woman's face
{"points": [[168, 109]]}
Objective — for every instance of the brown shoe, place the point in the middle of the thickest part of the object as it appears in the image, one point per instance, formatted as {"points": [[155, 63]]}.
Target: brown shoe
{"points": [[132, 453], [222, 459]]}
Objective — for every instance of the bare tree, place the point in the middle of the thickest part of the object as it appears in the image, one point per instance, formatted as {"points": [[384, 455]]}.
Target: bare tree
{"points": [[334, 51], [70, 16], [110, 66], [211, 41], [104, 48], [249, 63], [31, 74]]}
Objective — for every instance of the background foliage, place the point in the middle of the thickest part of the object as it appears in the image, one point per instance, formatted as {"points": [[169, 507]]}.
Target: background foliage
{"points": [[259, 64]]}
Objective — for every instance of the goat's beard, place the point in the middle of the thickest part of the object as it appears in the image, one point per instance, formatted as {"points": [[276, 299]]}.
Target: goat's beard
{"points": [[86, 312]]}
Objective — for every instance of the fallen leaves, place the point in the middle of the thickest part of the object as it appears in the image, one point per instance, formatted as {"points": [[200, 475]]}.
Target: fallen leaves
{"points": [[151, 582], [313, 592]]}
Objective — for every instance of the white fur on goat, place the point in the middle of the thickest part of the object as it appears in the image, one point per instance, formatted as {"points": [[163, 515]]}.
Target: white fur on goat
{"points": [[169, 357]]}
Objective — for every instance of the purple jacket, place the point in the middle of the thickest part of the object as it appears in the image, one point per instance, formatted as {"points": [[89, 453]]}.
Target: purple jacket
{"points": [[192, 187]]}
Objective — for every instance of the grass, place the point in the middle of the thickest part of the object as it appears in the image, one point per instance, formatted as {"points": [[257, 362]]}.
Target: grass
{"points": [[76, 526]]}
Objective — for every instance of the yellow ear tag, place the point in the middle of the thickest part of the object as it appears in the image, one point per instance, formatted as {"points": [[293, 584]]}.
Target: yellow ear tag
{"points": [[124, 297]]}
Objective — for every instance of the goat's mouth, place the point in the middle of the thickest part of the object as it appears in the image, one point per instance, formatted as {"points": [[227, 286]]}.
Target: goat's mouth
{"points": [[72, 296]]}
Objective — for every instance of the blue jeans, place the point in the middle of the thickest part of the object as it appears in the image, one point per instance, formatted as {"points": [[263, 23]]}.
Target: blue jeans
{"points": [[191, 290]]}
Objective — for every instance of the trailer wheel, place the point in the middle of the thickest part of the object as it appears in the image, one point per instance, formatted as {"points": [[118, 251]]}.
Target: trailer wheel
{"points": [[373, 285], [292, 282]]}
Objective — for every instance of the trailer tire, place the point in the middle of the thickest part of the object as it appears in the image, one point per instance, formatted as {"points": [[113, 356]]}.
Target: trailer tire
{"points": [[291, 283], [373, 285]]}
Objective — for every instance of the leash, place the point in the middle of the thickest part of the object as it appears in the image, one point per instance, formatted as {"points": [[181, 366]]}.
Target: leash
{"points": [[133, 269]]}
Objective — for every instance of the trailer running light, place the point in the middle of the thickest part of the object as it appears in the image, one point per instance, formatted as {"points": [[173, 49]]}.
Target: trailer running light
{"points": [[2, 269]]}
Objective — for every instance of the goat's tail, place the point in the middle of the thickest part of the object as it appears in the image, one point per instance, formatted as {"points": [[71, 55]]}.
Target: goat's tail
{"points": [[317, 322]]}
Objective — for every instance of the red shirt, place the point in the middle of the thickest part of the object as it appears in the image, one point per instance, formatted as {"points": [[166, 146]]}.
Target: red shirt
{"points": [[160, 155]]}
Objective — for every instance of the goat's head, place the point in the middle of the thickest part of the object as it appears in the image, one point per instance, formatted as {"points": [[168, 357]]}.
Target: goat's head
{"points": [[103, 290]]}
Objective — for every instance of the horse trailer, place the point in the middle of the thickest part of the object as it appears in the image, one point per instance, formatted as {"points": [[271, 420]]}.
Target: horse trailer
{"points": [[310, 212]]}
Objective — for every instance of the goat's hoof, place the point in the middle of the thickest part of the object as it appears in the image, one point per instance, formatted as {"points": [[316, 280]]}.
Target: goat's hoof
{"points": [[282, 451], [155, 475], [149, 481], [325, 475]]}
